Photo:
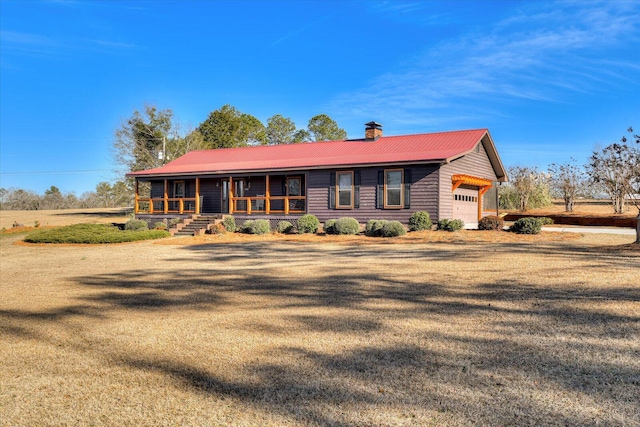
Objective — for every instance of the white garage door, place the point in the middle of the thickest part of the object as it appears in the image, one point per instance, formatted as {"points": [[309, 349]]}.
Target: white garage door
{"points": [[465, 205]]}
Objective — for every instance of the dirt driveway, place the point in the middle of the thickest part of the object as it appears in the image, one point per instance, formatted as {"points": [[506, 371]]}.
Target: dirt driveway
{"points": [[298, 333]]}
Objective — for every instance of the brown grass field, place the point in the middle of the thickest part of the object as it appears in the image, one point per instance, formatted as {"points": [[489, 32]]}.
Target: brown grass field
{"points": [[431, 329]]}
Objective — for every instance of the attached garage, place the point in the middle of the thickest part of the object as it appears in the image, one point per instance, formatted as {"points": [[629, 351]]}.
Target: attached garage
{"points": [[465, 204], [467, 191]]}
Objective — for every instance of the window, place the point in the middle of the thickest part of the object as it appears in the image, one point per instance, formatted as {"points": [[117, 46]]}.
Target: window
{"points": [[393, 188], [238, 188], [344, 190]]}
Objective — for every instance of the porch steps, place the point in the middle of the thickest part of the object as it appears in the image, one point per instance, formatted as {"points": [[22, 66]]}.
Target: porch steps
{"points": [[196, 225]]}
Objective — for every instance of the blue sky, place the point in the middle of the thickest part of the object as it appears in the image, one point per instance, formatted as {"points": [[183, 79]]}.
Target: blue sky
{"points": [[550, 80]]}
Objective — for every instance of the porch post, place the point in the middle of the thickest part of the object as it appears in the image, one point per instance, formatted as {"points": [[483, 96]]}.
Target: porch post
{"points": [[480, 193], [166, 196], [231, 195], [267, 194], [198, 207], [136, 203]]}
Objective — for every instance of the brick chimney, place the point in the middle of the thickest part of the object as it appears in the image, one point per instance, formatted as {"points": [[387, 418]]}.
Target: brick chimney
{"points": [[372, 131]]}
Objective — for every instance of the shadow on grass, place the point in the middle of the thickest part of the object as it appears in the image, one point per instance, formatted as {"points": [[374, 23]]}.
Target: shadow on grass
{"points": [[541, 343], [103, 214]]}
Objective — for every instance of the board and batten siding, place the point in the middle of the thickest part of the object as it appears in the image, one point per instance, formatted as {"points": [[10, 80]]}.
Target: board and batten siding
{"points": [[476, 163], [424, 197]]}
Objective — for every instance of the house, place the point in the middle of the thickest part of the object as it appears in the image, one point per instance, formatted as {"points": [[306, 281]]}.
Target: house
{"points": [[386, 177]]}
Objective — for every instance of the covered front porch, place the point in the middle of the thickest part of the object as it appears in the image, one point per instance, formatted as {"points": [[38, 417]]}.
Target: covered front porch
{"points": [[251, 194]]}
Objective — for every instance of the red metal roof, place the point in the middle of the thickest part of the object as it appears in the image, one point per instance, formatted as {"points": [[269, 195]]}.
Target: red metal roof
{"points": [[428, 147]]}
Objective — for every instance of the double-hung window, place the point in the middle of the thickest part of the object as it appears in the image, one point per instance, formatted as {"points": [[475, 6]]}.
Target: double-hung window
{"points": [[344, 190], [393, 188]]}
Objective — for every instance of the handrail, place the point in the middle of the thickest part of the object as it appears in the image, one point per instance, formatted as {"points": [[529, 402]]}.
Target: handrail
{"points": [[165, 205], [249, 208]]}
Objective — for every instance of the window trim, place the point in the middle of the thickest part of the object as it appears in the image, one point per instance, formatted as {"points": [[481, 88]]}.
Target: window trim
{"points": [[401, 189], [351, 190]]}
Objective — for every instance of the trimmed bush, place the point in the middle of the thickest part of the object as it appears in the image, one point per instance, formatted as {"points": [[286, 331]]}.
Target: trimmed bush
{"points": [[93, 234], [491, 222], [174, 221], [545, 220], [246, 226], [256, 226], [329, 226], [159, 226], [136, 225], [419, 221], [229, 223], [393, 229], [284, 227], [450, 224], [347, 225], [526, 226], [374, 227], [308, 224]]}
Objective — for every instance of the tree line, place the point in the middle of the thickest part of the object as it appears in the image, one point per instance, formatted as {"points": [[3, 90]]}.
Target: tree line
{"points": [[613, 171], [105, 195], [150, 138]]}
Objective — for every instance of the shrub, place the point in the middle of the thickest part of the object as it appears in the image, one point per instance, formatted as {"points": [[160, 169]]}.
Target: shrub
{"points": [[374, 227], [93, 234], [174, 221], [159, 226], [256, 226], [136, 225], [284, 227], [526, 226], [347, 225], [545, 220], [229, 223], [308, 224], [393, 229], [450, 224], [419, 221], [491, 222], [329, 226]]}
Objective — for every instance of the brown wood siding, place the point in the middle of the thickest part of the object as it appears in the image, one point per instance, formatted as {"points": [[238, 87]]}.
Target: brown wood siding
{"points": [[475, 164], [424, 195]]}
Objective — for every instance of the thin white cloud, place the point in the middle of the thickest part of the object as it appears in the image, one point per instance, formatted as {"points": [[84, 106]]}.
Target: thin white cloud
{"points": [[29, 44], [535, 54]]}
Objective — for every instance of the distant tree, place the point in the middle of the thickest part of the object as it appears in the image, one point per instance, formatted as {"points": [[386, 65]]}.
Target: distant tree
{"points": [[568, 181], [3, 197], [301, 135], [280, 130], [227, 127], [53, 199], [71, 201], [528, 185], [616, 168], [324, 128], [19, 199], [148, 140], [104, 194], [140, 139], [121, 194]]}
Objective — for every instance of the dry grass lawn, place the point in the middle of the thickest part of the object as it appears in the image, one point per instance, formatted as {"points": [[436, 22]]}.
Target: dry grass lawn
{"points": [[437, 329]]}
